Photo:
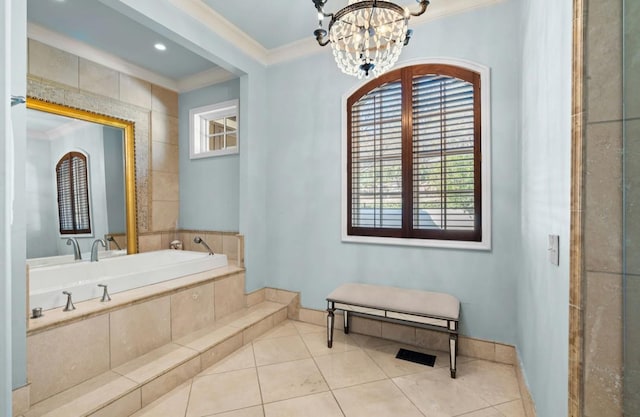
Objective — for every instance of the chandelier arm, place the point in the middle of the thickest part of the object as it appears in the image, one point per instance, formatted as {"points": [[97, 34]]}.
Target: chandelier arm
{"points": [[423, 8], [321, 37]]}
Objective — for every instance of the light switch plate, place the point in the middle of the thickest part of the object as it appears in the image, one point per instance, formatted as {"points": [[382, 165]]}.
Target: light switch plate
{"points": [[554, 249]]}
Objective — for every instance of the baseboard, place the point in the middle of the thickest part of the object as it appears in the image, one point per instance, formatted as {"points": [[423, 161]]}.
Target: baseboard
{"points": [[20, 400]]}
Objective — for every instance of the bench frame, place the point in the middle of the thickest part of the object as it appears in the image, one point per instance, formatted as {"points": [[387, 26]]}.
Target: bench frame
{"points": [[430, 322]]}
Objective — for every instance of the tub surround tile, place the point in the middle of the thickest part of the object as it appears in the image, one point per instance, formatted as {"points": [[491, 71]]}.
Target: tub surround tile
{"points": [[230, 246], [85, 398], [98, 79], [66, 356], [229, 295], [164, 128], [139, 329], [220, 351], [164, 216], [191, 310], [123, 407], [254, 331], [135, 91], [214, 240], [21, 400], [168, 381], [203, 339], [52, 64], [164, 157], [164, 101], [149, 243], [240, 359], [165, 187], [146, 367], [172, 404]]}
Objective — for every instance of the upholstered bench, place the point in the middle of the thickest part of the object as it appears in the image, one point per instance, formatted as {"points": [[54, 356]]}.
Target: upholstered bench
{"points": [[431, 310]]}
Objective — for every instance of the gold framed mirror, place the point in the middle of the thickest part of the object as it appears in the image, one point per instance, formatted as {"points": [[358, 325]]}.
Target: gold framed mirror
{"points": [[127, 128]]}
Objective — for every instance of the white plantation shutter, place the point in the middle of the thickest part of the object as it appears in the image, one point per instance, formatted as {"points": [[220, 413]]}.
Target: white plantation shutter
{"points": [[73, 194], [414, 155]]}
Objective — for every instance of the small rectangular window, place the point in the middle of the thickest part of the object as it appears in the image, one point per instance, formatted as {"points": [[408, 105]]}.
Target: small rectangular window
{"points": [[214, 130]]}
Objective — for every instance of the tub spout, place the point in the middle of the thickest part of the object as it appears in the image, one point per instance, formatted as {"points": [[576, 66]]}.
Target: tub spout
{"points": [[69, 306], [105, 294], [94, 249], [199, 240], [76, 248]]}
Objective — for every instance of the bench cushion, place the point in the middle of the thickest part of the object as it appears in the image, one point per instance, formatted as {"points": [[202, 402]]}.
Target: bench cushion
{"points": [[424, 303]]}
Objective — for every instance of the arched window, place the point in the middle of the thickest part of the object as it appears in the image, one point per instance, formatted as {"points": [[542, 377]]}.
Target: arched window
{"points": [[414, 155], [73, 194]]}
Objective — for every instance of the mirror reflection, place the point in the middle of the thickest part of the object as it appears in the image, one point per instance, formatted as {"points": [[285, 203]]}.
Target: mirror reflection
{"points": [[77, 186]]}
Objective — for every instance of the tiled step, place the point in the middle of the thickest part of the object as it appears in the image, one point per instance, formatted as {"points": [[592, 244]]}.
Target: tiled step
{"points": [[123, 390]]}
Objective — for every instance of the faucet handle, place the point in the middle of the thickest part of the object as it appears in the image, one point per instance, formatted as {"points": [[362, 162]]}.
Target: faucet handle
{"points": [[69, 306], [105, 294]]}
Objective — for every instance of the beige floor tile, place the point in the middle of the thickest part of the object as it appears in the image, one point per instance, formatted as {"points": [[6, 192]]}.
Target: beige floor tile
{"points": [[308, 328], [348, 368], [365, 341], [290, 379], [245, 412], [494, 382], [436, 394], [285, 329], [219, 393], [241, 359], [173, 404], [317, 405], [281, 349], [317, 343], [385, 358], [511, 409], [380, 399], [485, 412]]}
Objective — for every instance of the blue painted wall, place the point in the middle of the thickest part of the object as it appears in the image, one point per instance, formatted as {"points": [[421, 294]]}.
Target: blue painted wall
{"points": [[304, 180], [543, 290], [209, 187]]}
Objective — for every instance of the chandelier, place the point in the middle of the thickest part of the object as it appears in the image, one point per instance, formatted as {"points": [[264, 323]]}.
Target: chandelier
{"points": [[366, 36]]}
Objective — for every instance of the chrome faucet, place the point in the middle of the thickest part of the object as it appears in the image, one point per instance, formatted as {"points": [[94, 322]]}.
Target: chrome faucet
{"points": [[110, 239], [76, 248], [69, 306], [199, 240], [105, 293], [94, 249]]}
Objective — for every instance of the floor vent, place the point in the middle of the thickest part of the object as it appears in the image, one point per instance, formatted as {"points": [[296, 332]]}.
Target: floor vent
{"points": [[417, 357]]}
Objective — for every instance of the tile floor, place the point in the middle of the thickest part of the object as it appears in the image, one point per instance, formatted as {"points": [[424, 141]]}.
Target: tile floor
{"points": [[290, 372]]}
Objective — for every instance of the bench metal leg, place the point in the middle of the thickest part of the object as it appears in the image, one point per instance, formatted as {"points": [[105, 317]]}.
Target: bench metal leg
{"points": [[346, 322], [453, 353], [330, 319]]}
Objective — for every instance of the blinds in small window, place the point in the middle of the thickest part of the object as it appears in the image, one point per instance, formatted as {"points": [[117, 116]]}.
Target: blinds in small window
{"points": [[376, 159], [73, 194], [443, 153]]}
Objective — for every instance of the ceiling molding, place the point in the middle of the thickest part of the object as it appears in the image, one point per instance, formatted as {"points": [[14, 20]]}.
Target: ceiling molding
{"points": [[200, 11], [81, 49], [204, 79], [437, 10]]}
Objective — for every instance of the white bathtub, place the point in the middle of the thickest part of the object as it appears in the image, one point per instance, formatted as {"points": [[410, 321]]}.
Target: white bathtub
{"points": [[120, 273]]}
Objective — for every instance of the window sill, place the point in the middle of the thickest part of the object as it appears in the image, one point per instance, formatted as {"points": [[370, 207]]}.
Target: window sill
{"points": [[221, 152], [425, 243]]}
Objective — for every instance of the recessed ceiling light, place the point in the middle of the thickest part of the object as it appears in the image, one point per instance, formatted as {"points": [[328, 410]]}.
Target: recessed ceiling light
{"points": [[160, 46]]}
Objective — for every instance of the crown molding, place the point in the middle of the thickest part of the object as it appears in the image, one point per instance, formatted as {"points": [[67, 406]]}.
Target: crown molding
{"points": [[205, 78], [201, 12], [81, 49], [436, 10]]}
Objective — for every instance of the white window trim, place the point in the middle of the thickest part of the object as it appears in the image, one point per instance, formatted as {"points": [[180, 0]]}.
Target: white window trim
{"points": [[485, 166], [225, 109]]}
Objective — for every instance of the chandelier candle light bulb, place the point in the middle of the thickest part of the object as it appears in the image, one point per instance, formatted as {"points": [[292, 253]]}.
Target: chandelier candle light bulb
{"points": [[366, 36]]}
